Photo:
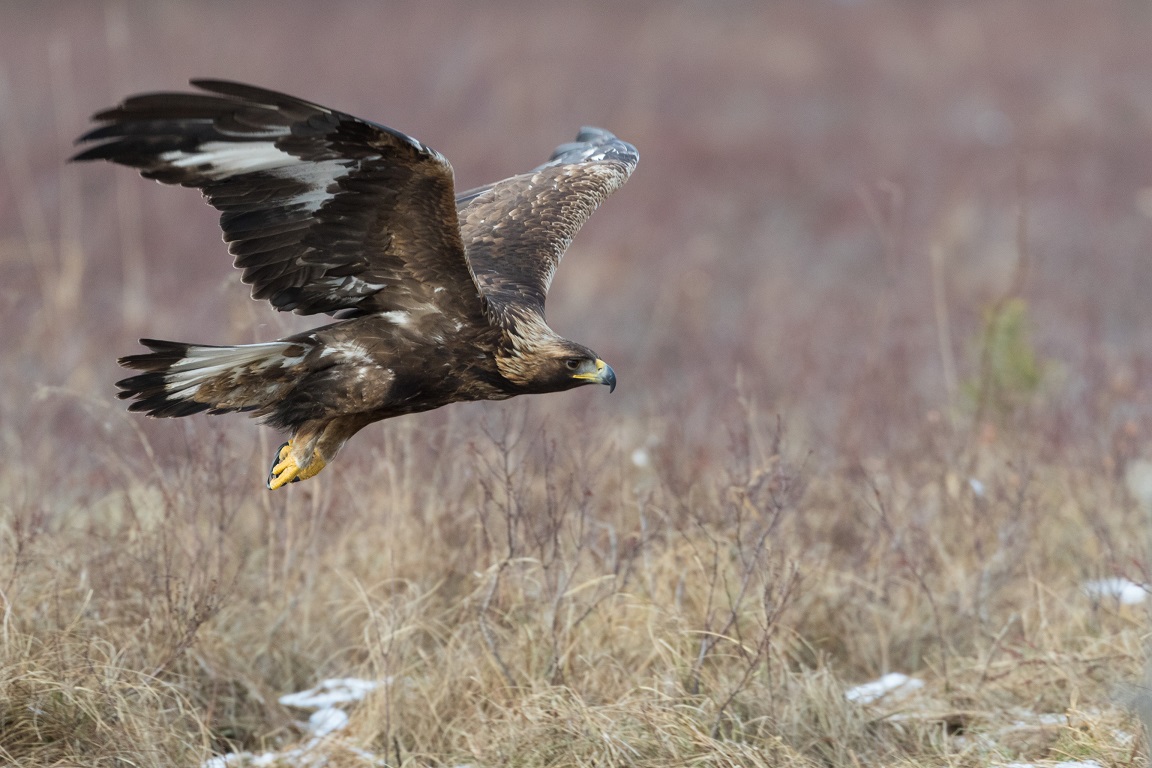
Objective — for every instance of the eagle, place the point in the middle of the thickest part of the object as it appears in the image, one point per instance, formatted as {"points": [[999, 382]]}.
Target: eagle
{"points": [[435, 297]]}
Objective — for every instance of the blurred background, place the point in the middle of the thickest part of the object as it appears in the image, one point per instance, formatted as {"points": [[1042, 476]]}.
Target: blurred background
{"points": [[840, 208]]}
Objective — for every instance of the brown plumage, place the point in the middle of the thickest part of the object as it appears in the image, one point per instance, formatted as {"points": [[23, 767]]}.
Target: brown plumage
{"points": [[439, 298]]}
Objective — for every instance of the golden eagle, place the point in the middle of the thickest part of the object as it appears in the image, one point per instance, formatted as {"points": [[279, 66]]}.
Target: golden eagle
{"points": [[438, 297]]}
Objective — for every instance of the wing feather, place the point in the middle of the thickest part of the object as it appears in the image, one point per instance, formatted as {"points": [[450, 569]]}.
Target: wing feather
{"points": [[515, 231], [323, 211]]}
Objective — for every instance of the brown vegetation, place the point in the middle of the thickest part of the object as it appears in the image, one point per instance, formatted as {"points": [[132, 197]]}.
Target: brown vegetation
{"points": [[877, 298]]}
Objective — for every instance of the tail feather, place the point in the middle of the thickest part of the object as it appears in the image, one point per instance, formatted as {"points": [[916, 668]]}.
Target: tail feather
{"points": [[181, 379]]}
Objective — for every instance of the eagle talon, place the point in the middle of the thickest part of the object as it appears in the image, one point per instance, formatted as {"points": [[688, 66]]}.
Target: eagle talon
{"points": [[286, 470], [283, 470]]}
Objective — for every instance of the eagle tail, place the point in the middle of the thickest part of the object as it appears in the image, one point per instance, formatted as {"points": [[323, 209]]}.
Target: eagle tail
{"points": [[180, 379]]}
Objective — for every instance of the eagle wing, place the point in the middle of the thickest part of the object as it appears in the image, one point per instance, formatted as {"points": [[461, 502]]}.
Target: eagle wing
{"points": [[516, 230], [324, 212]]}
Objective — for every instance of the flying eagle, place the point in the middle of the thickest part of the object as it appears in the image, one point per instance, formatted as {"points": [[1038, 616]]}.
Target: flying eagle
{"points": [[437, 297]]}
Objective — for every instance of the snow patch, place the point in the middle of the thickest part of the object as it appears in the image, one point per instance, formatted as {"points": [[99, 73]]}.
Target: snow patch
{"points": [[1120, 589], [892, 683], [335, 690], [326, 720]]}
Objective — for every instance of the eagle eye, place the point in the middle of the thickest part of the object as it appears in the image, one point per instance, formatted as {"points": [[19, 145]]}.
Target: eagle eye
{"points": [[572, 363]]}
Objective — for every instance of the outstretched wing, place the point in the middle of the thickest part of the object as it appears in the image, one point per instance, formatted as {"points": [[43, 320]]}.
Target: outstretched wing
{"points": [[323, 211], [516, 230]]}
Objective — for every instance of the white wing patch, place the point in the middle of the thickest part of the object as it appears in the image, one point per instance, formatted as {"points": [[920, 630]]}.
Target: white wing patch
{"points": [[312, 199], [220, 159], [224, 159], [318, 177]]}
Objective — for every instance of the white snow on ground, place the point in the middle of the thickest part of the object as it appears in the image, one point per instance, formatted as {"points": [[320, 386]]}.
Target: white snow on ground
{"points": [[1125, 591], [1026, 718], [326, 720], [335, 690], [892, 683]]}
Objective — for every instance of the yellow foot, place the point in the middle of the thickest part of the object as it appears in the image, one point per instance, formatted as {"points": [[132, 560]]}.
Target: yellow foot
{"points": [[285, 469]]}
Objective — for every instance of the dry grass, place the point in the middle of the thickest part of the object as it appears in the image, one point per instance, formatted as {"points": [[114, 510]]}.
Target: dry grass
{"points": [[877, 296]]}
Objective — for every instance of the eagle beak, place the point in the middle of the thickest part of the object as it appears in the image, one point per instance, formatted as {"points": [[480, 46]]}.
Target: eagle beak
{"points": [[607, 375], [603, 375]]}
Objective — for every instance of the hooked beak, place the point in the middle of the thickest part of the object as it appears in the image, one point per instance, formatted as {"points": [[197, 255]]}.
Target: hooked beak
{"points": [[602, 375]]}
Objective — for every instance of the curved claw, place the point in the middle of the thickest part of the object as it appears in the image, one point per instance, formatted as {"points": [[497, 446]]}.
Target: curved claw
{"points": [[285, 469], [282, 471]]}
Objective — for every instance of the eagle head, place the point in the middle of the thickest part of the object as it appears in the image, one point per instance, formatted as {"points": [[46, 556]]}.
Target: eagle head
{"points": [[554, 366]]}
